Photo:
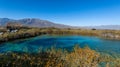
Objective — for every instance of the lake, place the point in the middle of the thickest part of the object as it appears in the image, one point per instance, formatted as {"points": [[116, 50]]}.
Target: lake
{"points": [[34, 44]]}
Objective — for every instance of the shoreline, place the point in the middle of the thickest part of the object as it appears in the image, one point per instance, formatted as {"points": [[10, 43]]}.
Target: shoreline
{"points": [[33, 32]]}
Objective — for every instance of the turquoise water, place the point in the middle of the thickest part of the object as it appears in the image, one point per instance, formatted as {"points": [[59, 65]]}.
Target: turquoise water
{"points": [[46, 41]]}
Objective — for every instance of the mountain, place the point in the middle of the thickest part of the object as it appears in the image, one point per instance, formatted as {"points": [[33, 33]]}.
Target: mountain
{"points": [[33, 22], [109, 27], [4, 21]]}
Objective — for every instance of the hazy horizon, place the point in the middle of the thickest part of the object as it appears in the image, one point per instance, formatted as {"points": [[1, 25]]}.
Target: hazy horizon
{"points": [[68, 12]]}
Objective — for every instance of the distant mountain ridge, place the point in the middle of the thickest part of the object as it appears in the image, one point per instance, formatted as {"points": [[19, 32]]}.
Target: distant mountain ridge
{"points": [[33, 22], [109, 27]]}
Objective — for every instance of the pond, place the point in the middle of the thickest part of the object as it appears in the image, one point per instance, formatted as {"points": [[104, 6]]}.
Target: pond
{"points": [[46, 41]]}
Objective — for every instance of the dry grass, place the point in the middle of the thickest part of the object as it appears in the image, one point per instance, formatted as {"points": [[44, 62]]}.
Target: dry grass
{"points": [[31, 32], [78, 57]]}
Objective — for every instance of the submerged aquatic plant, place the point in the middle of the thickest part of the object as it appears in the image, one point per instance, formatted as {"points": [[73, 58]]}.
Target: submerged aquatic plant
{"points": [[78, 57]]}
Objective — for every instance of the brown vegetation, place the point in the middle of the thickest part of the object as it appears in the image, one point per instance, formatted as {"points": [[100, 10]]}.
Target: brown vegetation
{"points": [[79, 57], [26, 32], [52, 58]]}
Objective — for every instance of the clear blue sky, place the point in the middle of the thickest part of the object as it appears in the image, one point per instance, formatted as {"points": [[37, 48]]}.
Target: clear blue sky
{"points": [[70, 12]]}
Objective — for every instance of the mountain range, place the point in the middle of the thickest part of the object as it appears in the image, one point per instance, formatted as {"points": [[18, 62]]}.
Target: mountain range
{"points": [[107, 27], [33, 22]]}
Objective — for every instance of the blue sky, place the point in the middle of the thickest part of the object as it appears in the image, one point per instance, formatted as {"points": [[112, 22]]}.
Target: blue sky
{"points": [[70, 12]]}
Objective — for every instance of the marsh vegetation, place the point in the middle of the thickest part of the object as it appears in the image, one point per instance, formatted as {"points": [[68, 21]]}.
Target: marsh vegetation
{"points": [[31, 32], [78, 57]]}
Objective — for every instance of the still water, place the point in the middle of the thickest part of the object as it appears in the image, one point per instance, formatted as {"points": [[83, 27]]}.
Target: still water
{"points": [[47, 41]]}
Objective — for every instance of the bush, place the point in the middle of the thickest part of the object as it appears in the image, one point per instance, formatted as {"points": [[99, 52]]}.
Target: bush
{"points": [[52, 58]]}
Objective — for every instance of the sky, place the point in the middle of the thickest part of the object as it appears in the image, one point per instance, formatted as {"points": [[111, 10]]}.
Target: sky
{"points": [[69, 12]]}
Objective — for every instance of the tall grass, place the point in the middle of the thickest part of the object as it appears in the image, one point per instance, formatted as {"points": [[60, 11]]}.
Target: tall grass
{"points": [[31, 32], [79, 57]]}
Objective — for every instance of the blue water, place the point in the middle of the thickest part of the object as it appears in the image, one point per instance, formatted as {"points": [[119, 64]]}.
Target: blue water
{"points": [[46, 41]]}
